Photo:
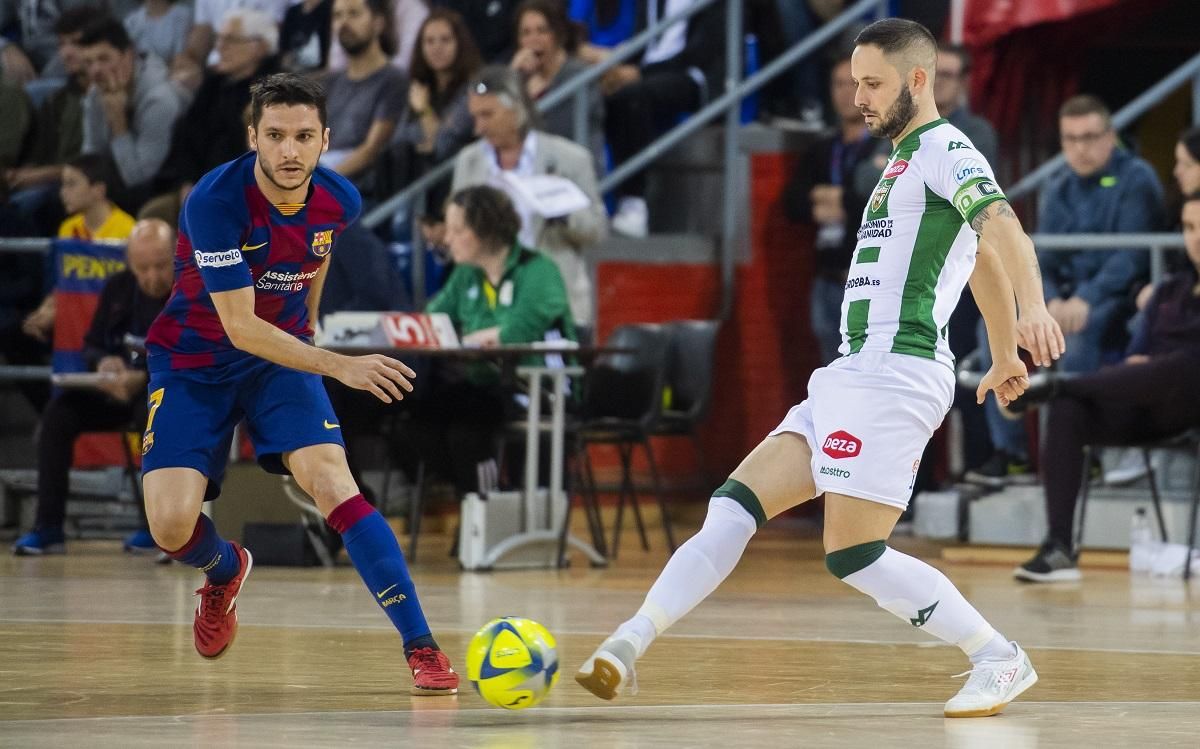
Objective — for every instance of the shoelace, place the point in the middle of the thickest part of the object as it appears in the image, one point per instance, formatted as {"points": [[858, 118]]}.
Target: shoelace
{"points": [[981, 673], [211, 595], [427, 658]]}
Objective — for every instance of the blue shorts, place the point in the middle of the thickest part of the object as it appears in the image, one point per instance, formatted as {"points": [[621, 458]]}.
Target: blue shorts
{"points": [[193, 412]]}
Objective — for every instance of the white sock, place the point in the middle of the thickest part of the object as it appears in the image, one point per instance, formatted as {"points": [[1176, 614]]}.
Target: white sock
{"points": [[694, 571], [922, 596]]}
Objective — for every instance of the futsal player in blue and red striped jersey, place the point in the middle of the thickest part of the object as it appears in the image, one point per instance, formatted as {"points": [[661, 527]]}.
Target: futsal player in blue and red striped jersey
{"points": [[234, 343]]}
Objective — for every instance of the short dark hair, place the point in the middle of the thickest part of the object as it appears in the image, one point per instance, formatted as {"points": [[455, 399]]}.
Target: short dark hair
{"points": [[489, 213], [556, 18], [896, 36], [1191, 141], [94, 167], [1082, 105], [388, 40], [285, 89], [75, 20], [961, 52], [106, 30]]}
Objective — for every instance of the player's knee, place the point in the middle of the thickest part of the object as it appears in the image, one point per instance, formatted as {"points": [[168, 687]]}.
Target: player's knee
{"points": [[170, 524], [845, 562], [326, 480]]}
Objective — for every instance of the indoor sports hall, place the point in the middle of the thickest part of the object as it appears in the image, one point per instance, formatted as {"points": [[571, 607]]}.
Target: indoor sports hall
{"points": [[600, 373]]}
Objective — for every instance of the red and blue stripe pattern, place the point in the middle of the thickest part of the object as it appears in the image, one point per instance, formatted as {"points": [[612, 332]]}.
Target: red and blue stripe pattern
{"points": [[231, 237]]}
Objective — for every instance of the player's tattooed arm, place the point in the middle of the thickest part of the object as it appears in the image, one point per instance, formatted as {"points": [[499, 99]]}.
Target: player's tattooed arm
{"points": [[999, 208], [1037, 332]]}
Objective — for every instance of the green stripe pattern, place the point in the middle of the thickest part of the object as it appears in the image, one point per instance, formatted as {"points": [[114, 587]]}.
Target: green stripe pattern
{"points": [[917, 334], [844, 562], [744, 496]]}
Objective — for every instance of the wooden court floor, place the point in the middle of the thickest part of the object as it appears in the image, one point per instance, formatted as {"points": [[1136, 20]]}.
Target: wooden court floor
{"points": [[95, 651]]}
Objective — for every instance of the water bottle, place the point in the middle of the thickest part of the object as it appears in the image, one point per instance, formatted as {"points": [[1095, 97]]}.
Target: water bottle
{"points": [[1141, 542]]}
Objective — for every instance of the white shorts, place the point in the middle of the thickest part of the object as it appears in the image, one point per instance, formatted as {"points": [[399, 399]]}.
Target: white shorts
{"points": [[867, 419]]}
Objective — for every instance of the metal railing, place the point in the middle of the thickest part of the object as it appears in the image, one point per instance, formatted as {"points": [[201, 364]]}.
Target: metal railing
{"points": [[1155, 243], [1189, 71], [412, 197]]}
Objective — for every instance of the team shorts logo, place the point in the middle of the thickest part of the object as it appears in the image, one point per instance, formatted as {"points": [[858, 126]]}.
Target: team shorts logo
{"points": [[147, 442], [842, 444], [839, 473], [896, 169], [322, 242], [966, 170], [218, 259]]}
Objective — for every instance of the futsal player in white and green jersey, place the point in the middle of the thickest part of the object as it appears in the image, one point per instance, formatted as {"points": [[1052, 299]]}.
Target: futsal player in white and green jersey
{"points": [[936, 220]]}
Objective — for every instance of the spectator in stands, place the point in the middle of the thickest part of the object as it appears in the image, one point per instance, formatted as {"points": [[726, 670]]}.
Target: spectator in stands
{"points": [[91, 216], [511, 148], [18, 118], [500, 292], [437, 123], [159, 27], [187, 68], [404, 22], [677, 74], [951, 86], [1148, 397], [546, 59], [1103, 188], [32, 209], [1187, 162], [212, 130], [607, 22], [490, 22], [366, 99], [304, 37], [128, 304], [34, 53], [822, 193], [129, 109]]}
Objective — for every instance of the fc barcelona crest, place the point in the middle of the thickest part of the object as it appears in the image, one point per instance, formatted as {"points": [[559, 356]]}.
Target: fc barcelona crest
{"points": [[322, 242]]}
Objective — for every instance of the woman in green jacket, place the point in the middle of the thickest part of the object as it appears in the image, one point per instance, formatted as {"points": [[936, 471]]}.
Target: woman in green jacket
{"points": [[498, 293]]}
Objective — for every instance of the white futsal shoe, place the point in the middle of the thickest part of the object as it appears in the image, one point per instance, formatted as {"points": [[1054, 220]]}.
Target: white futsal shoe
{"points": [[991, 686], [609, 672]]}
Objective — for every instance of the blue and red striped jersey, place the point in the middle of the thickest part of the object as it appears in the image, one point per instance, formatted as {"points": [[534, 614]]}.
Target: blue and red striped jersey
{"points": [[231, 237]]}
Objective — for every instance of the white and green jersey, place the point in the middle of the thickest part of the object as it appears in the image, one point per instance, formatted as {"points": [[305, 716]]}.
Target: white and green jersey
{"points": [[916, 248]]}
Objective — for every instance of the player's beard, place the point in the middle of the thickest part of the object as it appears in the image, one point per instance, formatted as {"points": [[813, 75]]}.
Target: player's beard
{"points": [[897, 117], [269, 172]]}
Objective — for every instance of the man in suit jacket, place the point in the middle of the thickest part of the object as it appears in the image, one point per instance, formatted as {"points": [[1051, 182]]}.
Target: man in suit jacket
{"points": [[510, 144]]}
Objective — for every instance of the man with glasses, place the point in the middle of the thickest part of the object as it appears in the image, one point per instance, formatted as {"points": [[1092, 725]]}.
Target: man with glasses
{"points": [[1105, 189], [213, 129], [950, 89]]}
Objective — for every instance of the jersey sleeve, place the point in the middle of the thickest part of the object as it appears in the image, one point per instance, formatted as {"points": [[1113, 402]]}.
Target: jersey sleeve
{"points": [[962, 176], [215, 236]]}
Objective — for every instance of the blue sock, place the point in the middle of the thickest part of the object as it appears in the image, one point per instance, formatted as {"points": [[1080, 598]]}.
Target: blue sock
{"points": [[377, 557], [209, 553]]}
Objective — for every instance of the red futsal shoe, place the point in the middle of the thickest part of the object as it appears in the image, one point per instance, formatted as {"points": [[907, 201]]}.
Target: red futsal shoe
{"points": [[216, 614], [431, 672]]}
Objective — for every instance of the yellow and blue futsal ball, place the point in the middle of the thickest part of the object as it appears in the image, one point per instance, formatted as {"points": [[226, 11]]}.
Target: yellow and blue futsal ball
{"points": [[512, 662]]}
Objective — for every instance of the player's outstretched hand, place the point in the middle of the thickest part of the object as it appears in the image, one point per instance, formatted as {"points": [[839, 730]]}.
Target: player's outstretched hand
{"points": [[1007, 379], [1039, 334], [382, 376]]}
